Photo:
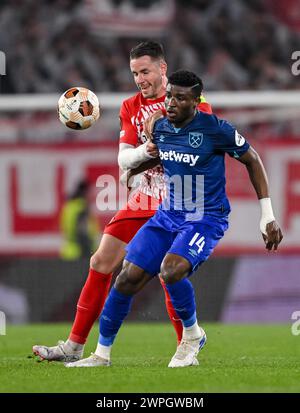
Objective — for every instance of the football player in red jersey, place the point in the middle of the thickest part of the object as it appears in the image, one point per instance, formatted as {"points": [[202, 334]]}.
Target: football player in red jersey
{"points": [[149, 68]]}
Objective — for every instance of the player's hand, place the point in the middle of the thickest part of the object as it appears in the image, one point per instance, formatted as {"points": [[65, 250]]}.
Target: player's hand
{"points": [[149, 123], [152, 149], [273, 237]]}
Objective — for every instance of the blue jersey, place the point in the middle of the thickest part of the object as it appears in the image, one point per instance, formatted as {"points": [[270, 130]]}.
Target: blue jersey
{"points": [[193, 161]]}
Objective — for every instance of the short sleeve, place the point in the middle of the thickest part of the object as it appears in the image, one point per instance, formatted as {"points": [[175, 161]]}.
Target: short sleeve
{"points": [[230, 141], [128, 134]]}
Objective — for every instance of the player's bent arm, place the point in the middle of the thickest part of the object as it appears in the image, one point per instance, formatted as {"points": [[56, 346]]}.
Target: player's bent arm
{"points": [[271, 232], [130, 157], [151, 163], [126, 178]]}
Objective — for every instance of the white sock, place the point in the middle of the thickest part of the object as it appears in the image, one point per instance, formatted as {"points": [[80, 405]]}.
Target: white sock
{"points": [[192, 332], [73, 345], [103, 351]]}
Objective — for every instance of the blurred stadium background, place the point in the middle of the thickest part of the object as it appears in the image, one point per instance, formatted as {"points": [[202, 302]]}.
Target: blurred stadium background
{"points": [[242, 50]]}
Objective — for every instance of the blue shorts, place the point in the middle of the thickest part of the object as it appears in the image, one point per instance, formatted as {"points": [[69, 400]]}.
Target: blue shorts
{"points": [[169, 232]]}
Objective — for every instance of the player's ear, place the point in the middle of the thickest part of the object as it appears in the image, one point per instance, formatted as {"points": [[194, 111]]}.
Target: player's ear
{"points": [[197, 100], [163, 67], [164, 81]]}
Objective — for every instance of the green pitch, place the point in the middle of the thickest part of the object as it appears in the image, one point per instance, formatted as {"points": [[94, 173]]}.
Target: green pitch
{"points": [[246, 358]]}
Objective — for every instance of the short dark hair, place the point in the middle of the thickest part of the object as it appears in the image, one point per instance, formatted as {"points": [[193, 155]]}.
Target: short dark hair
{"points": [[186, 78], [149, 48]]}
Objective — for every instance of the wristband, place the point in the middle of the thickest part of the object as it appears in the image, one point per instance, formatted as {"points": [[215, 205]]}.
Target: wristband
{"points": [[267, 214]]}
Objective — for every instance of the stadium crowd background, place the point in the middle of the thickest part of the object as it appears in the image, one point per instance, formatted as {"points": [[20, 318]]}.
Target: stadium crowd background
{"points": [[55, 44], [233, 45], [52, 45]]}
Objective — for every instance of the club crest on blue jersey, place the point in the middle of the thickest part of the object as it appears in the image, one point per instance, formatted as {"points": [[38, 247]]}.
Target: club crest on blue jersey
{"points": [[195, 139]]}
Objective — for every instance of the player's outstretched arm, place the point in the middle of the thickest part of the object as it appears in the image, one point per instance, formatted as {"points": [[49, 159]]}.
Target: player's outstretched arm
{"points": [[271, 231]]}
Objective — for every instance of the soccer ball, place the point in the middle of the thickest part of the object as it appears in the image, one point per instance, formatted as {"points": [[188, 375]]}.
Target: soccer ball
{"points": [[78, 108]]}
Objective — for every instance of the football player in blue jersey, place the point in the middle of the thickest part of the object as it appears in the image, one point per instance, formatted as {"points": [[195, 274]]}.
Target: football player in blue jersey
{"points": [[190, 221]]}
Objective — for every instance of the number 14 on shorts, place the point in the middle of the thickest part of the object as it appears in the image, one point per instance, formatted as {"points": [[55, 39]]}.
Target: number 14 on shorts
{"points": [[199, 241]]}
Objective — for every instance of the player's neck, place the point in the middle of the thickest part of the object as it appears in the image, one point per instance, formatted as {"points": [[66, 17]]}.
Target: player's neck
{"points": [[159, 95]]}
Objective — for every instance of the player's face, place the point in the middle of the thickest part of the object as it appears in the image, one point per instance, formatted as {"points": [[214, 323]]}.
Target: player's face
{"points": [[149, 76], [180, 104]]}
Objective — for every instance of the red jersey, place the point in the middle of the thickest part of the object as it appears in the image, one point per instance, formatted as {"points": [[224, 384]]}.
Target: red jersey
{"points": [[133, 113]]}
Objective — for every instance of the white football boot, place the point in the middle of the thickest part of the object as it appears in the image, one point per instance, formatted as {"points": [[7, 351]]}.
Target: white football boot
{"points": [[92, 361], [61, 352], [187, 351]]}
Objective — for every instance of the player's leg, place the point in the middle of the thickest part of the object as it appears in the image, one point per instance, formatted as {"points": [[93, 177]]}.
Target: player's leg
{"points": [[190, 249], [109, 254], [107, 258], [175, 320], [142, 262], [174, 270], [151, 204], [104, 262], [117, 306]]}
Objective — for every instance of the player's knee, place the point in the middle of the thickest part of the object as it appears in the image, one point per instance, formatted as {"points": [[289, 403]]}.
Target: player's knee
{"points": [[173, 270], [129, 279], [170, 277], [100, 264]]}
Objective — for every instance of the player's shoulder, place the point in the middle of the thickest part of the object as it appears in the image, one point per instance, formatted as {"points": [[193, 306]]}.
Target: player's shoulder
{"points": [[209, 119], [132, 102], [162, 124], [212, 122]]}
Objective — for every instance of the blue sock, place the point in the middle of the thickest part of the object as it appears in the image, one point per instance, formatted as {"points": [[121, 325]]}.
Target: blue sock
{"points": [[116, 308], [183, 299]]}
